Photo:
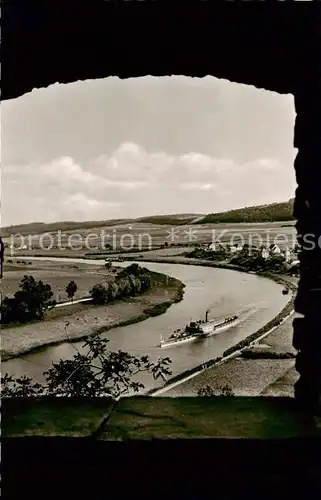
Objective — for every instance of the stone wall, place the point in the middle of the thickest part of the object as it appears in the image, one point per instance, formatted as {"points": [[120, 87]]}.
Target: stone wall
{"points": [[307, 209], [255, 43], [155, 448]]}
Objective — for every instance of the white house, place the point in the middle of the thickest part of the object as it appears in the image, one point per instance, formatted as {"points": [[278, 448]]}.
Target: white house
{"points": [[234, 248], [265, 253], [275, 249], [215, 246], [287, 255]]}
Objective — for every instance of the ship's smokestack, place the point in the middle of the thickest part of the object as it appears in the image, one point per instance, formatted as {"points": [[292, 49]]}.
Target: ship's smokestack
{"points": [[206, 316]]}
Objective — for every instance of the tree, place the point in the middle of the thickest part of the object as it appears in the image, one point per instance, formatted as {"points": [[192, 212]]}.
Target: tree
{"points": [[71, 289], [133, 269], [97, 373], [10, 311], [129, 282], [29, 303], [34, 297]]}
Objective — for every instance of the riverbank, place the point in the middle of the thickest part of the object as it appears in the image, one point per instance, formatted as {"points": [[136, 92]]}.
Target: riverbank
{"points": [[281, 279], [235, 350], [269, 370], [231, 369], [24, 339], [179, 259]]}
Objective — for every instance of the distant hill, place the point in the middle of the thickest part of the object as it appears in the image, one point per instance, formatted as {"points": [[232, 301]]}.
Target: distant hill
{"points": [[64, 226], [43, 227], [172, 220], [275, 212]]}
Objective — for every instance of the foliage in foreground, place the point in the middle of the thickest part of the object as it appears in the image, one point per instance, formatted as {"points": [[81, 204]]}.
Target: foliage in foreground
{"points": [[99, 372]]}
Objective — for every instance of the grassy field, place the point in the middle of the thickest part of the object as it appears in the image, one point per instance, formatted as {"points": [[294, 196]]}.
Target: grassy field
{"points": [[68, 226], [56, 274], [262, 213], [141, 236], [87, 319]]}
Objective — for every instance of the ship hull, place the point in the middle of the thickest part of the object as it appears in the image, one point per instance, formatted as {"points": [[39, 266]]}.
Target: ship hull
{"points": [[179, 342]]}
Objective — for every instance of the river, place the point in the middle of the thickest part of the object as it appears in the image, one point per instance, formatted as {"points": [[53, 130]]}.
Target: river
{"points": [[224, 291]]}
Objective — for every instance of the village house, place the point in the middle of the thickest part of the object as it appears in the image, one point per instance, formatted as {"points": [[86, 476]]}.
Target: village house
{"points": [[265, 254], [236, 248], [214, 247], [275, 249]]}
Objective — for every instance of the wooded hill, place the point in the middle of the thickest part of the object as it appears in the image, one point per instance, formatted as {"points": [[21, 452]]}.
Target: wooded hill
{"points": [[275, 212]]}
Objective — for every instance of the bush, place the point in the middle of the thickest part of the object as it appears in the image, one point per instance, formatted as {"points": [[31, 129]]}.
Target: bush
{"points": [[256, 354], [158, 309], [134, 269], [208, 391], [226, 390]]}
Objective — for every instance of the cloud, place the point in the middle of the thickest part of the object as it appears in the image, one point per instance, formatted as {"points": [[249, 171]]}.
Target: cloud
{"points": [[122, 148], [80, 207], [80, 201], [132, 181], [194, 186]]}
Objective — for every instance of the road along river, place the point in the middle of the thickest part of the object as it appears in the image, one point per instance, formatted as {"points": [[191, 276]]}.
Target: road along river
{"points": [[225, 292]]}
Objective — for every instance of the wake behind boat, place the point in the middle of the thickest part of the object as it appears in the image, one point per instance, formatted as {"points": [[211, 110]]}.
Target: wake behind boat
{"points": [[199, 330]]}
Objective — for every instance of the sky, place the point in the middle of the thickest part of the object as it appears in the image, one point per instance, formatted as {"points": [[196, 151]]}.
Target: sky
{"points": [[111, 148]]}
